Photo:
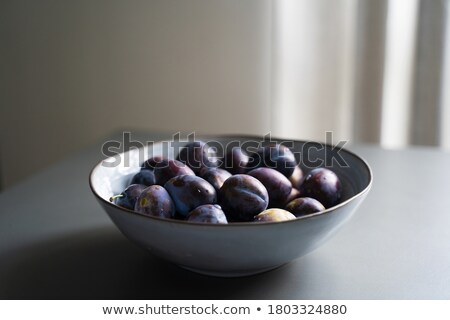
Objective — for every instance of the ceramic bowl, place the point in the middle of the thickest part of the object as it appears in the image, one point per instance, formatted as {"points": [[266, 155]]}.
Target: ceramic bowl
{"points": [[234, 249]]}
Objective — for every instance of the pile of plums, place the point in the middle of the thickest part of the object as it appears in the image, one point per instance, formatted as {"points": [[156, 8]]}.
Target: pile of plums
{"points": [[263, 185]]}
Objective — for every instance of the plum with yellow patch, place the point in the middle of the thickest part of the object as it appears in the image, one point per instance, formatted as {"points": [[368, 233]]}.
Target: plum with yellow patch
{"points": [[155, 201], [274, 215]]}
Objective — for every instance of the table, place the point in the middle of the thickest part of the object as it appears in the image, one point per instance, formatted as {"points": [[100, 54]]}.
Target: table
{"points": [[57, 243]]}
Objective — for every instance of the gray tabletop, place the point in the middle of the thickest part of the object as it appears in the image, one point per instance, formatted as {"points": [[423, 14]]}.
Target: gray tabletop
{"points": [[57, 243]]}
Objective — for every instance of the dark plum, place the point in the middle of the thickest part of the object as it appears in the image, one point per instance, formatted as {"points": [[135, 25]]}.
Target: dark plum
{"points": [[215, 176], [208, 213], [235, 161], [128, 197], [151, 163], [189, 191], [242, 197], [275, 156], [296, 177], [303, 206], [167, 169], [197, 155], [277, 185], [323, 185], [155, 201], [274, 215], [145, 177]]}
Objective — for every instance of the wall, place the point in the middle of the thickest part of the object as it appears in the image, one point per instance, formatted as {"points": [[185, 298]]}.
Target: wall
{"points": [[75, 71]]}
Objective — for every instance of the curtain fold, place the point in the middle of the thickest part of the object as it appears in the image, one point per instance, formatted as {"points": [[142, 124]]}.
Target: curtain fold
{"points": [[444, 133], [427, 104], [313, 68], [369, 71], [369, 60]]}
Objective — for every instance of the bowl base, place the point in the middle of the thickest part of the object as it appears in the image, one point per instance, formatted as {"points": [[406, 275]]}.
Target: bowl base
{"points": [[229, 274]]}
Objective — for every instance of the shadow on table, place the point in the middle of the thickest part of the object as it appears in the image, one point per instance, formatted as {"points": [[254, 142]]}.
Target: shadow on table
{"points": [[102, 264]]}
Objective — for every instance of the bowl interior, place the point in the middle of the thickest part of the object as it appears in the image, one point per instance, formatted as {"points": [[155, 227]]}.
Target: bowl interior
{"points": [[114, 174]]}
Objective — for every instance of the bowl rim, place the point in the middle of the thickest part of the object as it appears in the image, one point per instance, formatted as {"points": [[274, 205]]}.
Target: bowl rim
{"points": [[248, 223]]}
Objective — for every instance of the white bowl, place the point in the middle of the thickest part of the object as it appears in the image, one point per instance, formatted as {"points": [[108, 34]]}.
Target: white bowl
{"points": [[235, 249]]}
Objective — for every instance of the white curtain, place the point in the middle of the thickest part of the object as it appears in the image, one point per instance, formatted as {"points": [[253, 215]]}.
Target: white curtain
{"points": [[370, 71]]}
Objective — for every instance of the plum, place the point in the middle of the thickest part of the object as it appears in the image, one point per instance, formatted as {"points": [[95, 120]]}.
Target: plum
{"points": [[215, 176], [197, 155], [296, 178], [167, 169], [151, 163], [323, 185], [145, 177], [235, 161], [155, 201], [275, 156], [303, 206], [277, 185], [242, 197], [127, 199], [190, 191], [208, 213], [274, 215]]}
